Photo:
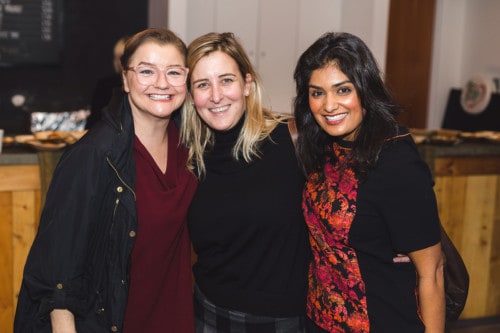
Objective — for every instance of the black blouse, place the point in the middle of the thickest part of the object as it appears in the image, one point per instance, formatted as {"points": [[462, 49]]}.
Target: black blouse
{"points": [[247, 227]]}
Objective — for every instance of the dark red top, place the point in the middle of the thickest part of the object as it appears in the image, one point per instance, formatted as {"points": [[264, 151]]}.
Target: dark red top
{"points": [[160, 296]]}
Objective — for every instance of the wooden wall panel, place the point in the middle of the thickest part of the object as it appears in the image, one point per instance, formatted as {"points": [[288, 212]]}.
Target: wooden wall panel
{"points": [[450, 205], [493, 301], [469, 211], [462, 165], [477, 240], [19, 177], [409, 57], [6, 251], [19, 215], [24, 222]]}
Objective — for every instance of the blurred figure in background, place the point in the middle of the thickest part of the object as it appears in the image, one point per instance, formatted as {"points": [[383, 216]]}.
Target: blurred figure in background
{"points": [[105, 86]]}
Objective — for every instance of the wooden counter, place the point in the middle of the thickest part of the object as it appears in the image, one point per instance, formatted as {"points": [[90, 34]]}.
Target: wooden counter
{"points": [[19, 213], [467, 187], [24, 178]]}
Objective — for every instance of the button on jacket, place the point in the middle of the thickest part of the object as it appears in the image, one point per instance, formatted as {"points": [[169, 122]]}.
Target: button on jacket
{"points": [[80, 257]]}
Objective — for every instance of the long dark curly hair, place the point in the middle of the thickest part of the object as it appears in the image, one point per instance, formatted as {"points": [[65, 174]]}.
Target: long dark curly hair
{"points": [[356, 61]]}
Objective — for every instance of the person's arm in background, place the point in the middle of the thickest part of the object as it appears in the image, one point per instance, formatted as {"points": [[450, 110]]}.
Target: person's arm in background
{"points": [[62, 321], [429, 263]]}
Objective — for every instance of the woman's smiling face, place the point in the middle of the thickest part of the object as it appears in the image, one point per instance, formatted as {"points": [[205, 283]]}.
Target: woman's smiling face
{"points": [[159, 99], [334, 102], [218, 90]]}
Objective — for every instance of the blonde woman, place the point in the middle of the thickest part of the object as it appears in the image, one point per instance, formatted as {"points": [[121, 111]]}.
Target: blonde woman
{"points": [[245, 220]]}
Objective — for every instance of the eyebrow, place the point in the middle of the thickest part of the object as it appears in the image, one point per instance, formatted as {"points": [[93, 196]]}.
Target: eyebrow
{"points": [[334, 85], [145, 63], [219, 76], [228, 74], [199, 80]]}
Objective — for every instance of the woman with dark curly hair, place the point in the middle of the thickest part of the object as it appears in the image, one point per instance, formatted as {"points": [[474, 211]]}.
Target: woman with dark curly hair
{"points": [[368, 197]]}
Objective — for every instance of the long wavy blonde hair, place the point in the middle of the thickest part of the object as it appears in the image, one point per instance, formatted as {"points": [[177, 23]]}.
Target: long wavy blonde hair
{"points": [[196, 135]]}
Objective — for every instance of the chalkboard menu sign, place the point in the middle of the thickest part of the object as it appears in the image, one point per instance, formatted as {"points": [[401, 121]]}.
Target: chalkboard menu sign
{"points": [[30, 31]]}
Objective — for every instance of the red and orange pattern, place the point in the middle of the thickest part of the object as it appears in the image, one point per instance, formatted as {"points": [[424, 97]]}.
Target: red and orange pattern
{"points": [[336, 298]]}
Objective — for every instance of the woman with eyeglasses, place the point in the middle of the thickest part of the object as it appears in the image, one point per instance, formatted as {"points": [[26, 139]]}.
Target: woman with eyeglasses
{"points": [[112, 252]]}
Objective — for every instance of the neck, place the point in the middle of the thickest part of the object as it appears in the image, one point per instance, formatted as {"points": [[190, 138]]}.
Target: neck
{"points": [[152, 133]]}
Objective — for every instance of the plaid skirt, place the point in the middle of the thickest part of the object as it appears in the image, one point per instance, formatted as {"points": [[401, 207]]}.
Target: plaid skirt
{"points": [[210, 318]]}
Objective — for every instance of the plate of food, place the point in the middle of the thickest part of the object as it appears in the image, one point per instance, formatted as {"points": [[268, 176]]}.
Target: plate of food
{"points": [[46, 145], [67, 137], [491, 136], [23, 138], [445, 136], [8, 141], [420, 135], [51, 136], [471, 136]]}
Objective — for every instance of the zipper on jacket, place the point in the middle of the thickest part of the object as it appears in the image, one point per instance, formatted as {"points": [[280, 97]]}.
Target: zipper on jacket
{"points": [[120, 178], [117, 201]]}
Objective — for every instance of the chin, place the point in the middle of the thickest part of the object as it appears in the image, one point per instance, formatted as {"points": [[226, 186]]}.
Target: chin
{"points": [[220, 126]]}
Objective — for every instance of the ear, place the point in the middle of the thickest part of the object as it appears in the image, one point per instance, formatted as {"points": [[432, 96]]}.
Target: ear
{"points": [[125, 82], [248, 84]]}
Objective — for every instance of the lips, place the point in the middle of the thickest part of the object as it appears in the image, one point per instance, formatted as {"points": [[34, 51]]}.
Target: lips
{"points": [[336, 117], [219, 109], [160, 97]]}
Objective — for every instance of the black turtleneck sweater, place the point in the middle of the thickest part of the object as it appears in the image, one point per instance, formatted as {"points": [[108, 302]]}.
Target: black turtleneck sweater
{"points": [[247, 227]]}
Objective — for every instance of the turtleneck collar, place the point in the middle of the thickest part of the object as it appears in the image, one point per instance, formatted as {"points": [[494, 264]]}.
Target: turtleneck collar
{"points": [[220, 158], [231, 135]]}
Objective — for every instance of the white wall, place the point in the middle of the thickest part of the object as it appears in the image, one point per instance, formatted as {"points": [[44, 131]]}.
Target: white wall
{"points": [[481, 49], [466, 42], [275, 33], [366, 18], [447, 57], [466, 34]]}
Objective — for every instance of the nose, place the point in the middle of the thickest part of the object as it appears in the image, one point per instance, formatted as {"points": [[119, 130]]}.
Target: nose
{"points": [[216, 95], [161, 81], [331, 103]]}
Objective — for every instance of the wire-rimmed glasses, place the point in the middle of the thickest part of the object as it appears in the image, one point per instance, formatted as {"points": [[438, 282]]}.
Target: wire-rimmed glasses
{"points": [[147, 75]]}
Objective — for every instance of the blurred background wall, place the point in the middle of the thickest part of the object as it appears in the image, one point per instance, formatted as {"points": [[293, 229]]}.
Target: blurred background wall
{"points": [[464, 41], [89, 30]]}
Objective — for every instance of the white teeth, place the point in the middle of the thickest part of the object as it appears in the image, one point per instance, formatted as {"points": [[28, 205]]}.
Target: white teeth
{"points": [[336, 117], [219, 109], [160, 97]]}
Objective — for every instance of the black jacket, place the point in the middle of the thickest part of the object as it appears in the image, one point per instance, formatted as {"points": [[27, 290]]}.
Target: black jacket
{"points": [[80, 257]]}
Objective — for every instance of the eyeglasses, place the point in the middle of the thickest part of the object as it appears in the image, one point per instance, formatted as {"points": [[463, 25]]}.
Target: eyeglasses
{"points": [[147, 75]]}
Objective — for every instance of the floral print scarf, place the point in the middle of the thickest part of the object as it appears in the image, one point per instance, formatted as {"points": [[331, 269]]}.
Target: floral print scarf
{"points": [[336, 299]]}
